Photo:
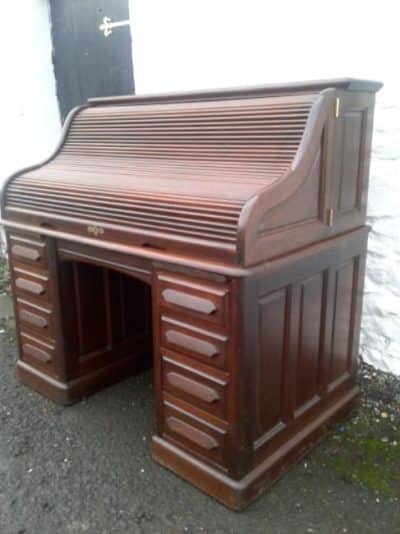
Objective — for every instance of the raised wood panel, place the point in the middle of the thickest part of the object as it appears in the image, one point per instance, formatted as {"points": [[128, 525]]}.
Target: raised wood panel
{"points": [[127, 318], [309, 354], [69, 319], [91, 312], [269, 376], [118, 305], [342, 323], [351, 171], [304, 206], [304, 340], [107, 316]]}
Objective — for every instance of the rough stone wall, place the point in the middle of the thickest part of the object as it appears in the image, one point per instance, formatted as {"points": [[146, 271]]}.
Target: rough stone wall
{"points": [[380, 333]]}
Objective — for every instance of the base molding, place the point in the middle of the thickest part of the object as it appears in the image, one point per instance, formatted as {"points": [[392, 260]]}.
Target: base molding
{"points": [[237, 494], [73, 390]]}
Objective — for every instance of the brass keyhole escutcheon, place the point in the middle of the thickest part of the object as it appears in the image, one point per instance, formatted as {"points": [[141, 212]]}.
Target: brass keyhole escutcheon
{"points": [[95, 230]]}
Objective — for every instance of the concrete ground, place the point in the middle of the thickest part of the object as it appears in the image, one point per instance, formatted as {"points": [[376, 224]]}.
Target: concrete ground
{"points": [[87, 468]]}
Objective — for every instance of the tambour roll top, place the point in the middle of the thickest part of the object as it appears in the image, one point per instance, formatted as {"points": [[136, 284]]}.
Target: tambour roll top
{"points": [[201, 173]]}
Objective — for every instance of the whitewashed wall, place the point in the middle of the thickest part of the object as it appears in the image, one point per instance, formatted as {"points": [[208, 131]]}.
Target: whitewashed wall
{"points": [[179, 45], [30, 121]]}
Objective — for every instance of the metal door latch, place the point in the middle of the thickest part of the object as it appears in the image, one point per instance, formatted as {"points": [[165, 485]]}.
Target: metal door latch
{"points": [[107, 26], [329, 217], [337, 107]]}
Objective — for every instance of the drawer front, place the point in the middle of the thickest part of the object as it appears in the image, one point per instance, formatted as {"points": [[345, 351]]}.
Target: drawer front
{"points": [[206, 346], [31, 285], [200, 389], [37, 352], [39, 318], [196, 435], [27, 250], [196, 299]]}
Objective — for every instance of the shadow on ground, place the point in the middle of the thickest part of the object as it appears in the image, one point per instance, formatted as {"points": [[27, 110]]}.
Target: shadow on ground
{"points": [[87, 468]]}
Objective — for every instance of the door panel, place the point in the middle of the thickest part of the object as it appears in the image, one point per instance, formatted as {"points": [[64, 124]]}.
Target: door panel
{"points": [[86, 63]]}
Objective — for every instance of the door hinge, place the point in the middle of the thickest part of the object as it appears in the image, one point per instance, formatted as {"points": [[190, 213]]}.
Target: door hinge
{"points": [[329, 217], [337, 107]]}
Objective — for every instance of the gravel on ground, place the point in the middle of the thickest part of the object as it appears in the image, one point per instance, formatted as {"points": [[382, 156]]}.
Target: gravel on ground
{"points": [[87, 468]]}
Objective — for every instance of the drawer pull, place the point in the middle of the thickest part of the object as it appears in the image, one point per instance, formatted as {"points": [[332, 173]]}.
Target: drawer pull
{"points": [[189, 432], [201, 391], [25, 252], [39, 354], [192, 343], [191, 302], [28, 285], [32, 318]]}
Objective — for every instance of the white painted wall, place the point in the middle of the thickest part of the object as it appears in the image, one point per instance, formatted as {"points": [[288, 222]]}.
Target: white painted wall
{"points": [[30, 121], [179, 45]]}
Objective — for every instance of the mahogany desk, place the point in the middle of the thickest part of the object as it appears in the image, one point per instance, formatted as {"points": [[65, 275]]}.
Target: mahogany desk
{"points": [[218, 236]]}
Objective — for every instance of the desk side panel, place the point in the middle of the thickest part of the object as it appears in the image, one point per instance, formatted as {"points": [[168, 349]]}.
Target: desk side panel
{"points": [[302, 334], [325, 194]]}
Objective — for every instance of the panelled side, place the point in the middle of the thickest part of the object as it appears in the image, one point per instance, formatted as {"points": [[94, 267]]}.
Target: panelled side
{"points": [[351, 161], [305, 346]]}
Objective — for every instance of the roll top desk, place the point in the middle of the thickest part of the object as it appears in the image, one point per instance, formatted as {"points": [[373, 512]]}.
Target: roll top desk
{"points": [[217, 236]]}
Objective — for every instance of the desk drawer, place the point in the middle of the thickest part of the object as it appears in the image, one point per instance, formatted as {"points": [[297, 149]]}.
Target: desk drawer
{"points": [[197, 299], [39, 318], [31, 285], [206, 346], [30, 251], [205, 439], [200, 389], [37, 352]]}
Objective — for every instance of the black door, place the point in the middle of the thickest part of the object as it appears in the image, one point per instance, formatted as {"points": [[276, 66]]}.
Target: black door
{"points": [[86, 63]]}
